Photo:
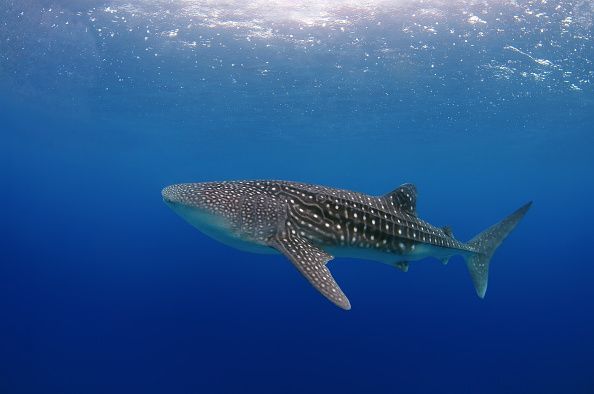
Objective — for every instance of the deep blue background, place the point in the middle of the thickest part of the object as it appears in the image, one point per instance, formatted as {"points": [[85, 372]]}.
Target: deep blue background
{"points": [[103, 289]]}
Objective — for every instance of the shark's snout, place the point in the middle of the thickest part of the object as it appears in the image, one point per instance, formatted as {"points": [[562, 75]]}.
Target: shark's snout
{"points": [[169, 194], [177, 194], [184, 194]]}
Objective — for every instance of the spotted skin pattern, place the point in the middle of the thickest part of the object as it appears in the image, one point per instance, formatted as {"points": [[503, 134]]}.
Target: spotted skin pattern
{"points": [[344, 218], [305, 221]]}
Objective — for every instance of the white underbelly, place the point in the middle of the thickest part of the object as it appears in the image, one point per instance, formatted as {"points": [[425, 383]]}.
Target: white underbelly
{"points": [[234, 240], [217, 228], [364, 254], [420, 251]]}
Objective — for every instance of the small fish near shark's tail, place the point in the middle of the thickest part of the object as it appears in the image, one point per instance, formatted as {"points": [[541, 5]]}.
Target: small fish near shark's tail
{"points": [[486, 243]]}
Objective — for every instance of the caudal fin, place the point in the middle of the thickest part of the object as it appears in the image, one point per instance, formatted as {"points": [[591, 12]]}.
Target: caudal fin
{"points": [[485, 243]]}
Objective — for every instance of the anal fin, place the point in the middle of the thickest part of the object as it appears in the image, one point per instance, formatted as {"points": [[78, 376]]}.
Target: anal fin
{"points": [[402, 266]]}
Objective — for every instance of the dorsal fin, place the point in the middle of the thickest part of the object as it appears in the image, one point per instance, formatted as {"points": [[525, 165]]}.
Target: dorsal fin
{"points": [[404, 198]]}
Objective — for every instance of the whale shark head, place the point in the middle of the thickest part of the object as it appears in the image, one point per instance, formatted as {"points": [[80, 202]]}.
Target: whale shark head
{"points": [[205, 206], [235, 213]]}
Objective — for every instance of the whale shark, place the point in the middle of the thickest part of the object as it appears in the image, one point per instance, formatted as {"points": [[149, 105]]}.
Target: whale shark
{"points": [[311, 224]]}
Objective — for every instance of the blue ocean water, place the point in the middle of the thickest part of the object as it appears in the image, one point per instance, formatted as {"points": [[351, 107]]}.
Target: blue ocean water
{"points": [[483, 105]]}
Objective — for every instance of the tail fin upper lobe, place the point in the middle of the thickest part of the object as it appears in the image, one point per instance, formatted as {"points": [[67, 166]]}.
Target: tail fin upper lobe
{"points": [[486, 243]]}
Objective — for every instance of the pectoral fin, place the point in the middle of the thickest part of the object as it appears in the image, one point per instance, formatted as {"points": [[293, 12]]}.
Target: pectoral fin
{"points": [[311, 262]]}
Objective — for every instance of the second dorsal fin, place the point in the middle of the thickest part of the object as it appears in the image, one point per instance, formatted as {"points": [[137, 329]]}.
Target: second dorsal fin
{"points": [[448, 231], [404, 198]]}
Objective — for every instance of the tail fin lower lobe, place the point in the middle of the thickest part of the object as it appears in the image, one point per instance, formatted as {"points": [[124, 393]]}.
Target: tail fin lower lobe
{"points": [[486, 243]]}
